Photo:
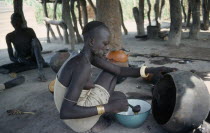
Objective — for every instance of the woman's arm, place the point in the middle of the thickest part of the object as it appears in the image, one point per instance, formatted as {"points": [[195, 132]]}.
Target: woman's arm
{"points": [[69, 108], [129, 71], [117, 70]]}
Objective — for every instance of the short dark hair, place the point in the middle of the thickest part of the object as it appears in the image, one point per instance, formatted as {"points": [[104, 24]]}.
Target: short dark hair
{"points": [[92, 25]]}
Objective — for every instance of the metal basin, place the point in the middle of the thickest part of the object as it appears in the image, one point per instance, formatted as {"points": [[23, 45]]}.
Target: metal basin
{"points": [[131, 120], [180, 102]]}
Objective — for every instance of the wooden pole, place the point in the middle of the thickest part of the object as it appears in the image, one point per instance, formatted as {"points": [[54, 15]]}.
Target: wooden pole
{"points": [[123, 25], [18, 8], [84, 11], [161, 8], [156, 9], [141, 18], [49, 28], [189, 13], [148, 13], [55, 17], [183, 10], [79, 13], [62, 25], [68, 21], [74, 18], [93, 6], [205, 12], [176, 23], [195, 27]]}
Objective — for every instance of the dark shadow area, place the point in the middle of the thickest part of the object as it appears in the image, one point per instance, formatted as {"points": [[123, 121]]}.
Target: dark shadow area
{"points": [[164, 99]]}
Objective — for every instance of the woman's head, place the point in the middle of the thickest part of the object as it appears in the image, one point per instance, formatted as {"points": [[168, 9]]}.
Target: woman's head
{"points": [[97, 35]]}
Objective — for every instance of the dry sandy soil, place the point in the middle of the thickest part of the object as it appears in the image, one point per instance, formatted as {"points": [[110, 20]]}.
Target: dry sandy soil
{"points": [[34, 96]]}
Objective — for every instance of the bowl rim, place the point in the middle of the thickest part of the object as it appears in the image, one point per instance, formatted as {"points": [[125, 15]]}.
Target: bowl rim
{"points": [[138, 113]]}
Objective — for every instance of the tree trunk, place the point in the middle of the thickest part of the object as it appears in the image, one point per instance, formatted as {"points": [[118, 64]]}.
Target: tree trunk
{"points": [[93, 6], [176, 23], [79, 13], [140, 28], [123, 25], [55, 17], [161, 8], [74, 18], [84, 11], [18, 8], [195, 27], [205, 15], [148, 13], [49, 28], [67, 19], [184, 13], [108, 11], [189, 13]]}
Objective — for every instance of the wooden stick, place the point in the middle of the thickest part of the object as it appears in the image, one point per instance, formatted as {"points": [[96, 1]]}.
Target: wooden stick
{"points": [[93, 6], [62, 25], [123, 25], [55, 17]]}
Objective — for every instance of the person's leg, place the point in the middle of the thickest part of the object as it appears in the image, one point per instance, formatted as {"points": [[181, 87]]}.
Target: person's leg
{"points": [[36, 50], [14, 68], [4, 69]]}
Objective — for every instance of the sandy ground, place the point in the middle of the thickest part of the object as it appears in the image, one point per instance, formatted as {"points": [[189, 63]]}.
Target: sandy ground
{"points": [[34, 96]]}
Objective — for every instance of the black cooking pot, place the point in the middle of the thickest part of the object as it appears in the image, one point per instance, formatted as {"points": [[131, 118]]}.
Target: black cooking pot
{"points": [[180, 102], [58, 59]]}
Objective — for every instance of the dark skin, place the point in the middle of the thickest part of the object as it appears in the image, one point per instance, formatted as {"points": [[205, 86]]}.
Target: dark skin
{"points": [[75, 75], [27, 46]]}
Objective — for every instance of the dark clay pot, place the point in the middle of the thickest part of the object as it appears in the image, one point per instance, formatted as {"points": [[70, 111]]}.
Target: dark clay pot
{"points": [[58, 59], [180, 102]]}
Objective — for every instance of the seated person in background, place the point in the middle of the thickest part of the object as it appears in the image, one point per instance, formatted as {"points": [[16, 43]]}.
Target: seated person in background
{"points": [[27, 48], [85, 105]]}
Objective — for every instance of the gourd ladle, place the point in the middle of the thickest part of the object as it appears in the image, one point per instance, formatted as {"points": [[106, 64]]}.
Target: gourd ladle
{"points": [[135, 109]]}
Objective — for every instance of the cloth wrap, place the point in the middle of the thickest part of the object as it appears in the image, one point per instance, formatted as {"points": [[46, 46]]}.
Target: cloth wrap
{"points": [[93, 97]]}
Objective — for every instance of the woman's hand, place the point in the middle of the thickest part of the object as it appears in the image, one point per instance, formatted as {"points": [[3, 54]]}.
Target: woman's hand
{"points": [[117, 103], [156, 73]]}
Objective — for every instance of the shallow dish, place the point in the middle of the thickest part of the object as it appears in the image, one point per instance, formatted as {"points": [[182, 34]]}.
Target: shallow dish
{"points": [[131, 120]]}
